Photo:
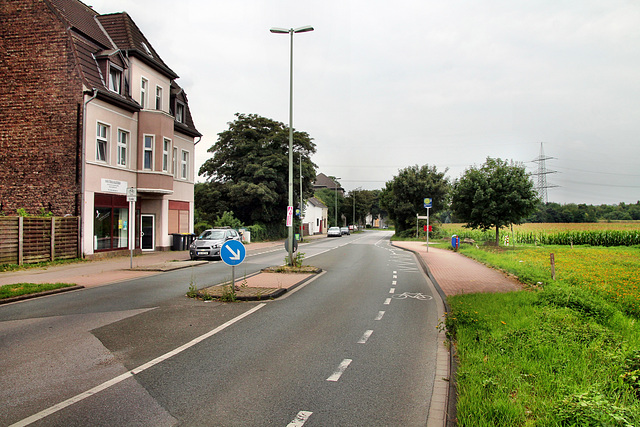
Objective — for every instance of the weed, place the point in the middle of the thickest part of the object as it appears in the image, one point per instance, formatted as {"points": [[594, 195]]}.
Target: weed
{"points": [[593, 409]]}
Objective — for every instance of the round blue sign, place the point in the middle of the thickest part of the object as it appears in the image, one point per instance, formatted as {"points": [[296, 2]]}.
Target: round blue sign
{"points": [[232, 252]]}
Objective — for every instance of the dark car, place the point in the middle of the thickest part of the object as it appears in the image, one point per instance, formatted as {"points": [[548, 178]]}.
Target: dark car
{"points": [[208, 244]]}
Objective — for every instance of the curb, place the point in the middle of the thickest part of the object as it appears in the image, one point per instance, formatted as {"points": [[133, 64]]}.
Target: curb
{"points": [[453, 365], [40, 294], [273, 295]]}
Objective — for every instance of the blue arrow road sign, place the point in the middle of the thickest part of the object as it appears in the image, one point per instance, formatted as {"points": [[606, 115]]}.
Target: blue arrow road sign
{"points": [[232, 252]]}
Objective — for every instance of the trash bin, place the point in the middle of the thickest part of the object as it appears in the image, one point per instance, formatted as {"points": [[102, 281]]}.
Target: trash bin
{"points": [[178, 242], [190, 238], [455, 242]]}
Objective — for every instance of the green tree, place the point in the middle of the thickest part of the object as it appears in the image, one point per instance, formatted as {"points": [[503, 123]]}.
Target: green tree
{"points": [[403, 196], [328, 196], [248, 173], [497, 194]]}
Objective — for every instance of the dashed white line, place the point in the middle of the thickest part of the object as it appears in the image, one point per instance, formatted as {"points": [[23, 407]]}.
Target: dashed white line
{"points": [[395, 276], [365, 337], [379, 316], [341, 368], [300, 419], [387, 301], [393, 282], [392, 290]]}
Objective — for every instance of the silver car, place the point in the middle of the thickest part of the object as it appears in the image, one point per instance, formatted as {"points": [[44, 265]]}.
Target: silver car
{"points": [[208, 244], [334, 232]]}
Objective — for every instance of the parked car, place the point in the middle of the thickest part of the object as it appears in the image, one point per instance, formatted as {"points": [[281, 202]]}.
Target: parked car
{"points": [[334, 232], [345, 230], [208, 244]]}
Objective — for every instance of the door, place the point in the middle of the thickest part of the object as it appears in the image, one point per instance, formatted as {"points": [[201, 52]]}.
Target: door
{"points": [[147, 234]]}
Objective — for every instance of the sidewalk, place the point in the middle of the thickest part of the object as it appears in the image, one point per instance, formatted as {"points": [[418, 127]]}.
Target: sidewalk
{"points": [[457, 274], [118, 269]]}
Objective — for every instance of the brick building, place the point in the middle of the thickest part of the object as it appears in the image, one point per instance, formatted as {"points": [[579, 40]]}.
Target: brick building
{"points": [[89, 110]]}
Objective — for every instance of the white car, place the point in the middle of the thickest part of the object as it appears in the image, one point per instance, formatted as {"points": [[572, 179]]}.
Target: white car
{"points": [[334, 232]]}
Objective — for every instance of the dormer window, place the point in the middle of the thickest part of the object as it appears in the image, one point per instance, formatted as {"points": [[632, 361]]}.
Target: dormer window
{"points": [[115, 79], [179, 112], [146, 49]]}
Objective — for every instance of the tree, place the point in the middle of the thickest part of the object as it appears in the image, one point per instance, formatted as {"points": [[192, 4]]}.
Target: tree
{"points": [[248, 173], [328, 196], [403, 196], [495, 195]]}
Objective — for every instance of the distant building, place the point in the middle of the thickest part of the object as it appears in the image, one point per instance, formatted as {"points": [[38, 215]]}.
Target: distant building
{"points": [[89, 109], [323, 181], [314, 220]]}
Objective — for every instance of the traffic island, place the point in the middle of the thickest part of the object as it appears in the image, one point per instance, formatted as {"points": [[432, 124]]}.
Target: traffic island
{"points": [[270, 283]]}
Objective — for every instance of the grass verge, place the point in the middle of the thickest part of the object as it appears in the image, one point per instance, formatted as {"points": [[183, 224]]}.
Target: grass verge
{"points": [[19, 289], [564, 352]]}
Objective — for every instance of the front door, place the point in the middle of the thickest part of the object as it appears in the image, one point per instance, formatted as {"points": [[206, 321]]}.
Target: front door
{"points": [[148, 227]]}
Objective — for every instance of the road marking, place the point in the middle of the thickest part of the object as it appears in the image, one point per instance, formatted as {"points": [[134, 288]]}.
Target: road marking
{"points": [[393, 282], [417, 296], [387, 301], [395, 276], [395, 272], [379, 316], [55, 408], [365, 337], [341, 368], [300, 419], [392, 290]]}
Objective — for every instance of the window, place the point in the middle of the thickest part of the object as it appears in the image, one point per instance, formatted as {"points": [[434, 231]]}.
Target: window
{"points": [[175, 162], [180, 112], [148, 152], [184, 167], [158, 98], [115, 79], [102, 140], [143, 92], [166, 146], [123, 142]]}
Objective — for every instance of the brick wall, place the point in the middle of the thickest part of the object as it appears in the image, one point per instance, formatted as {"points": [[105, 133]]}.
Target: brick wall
{"points": [[40, 105]]}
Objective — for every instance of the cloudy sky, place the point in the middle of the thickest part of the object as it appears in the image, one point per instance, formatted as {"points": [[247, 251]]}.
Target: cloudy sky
{"points": [[383, 85]]}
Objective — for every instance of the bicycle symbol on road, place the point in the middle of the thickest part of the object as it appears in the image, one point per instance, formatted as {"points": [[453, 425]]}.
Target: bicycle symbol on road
{"points": [[416, 295]]}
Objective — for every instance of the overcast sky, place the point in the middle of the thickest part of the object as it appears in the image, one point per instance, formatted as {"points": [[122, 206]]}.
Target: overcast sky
{"points": [[383, 85]]}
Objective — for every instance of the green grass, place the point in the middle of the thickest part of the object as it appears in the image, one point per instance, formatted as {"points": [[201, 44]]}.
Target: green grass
{"points": [[18, 289], [16, 267], [562, 353]]}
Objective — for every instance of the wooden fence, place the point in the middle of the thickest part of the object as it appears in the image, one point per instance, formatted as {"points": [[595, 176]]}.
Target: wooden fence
{"points": [[26, 240]]}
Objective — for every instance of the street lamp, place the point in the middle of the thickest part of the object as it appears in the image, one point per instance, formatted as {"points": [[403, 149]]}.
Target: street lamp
{"points": [[335, 181], [292, 32]]}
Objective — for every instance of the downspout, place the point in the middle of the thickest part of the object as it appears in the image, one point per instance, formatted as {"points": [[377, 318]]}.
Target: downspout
{"points": [[83, 168]]}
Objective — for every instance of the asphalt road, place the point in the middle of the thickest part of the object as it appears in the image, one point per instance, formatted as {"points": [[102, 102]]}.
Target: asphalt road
{"points": [[356, 346]]}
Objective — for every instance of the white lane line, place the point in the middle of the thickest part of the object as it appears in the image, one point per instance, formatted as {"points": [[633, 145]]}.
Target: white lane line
{"points": [[387, 301], [393, 282], [395, 276], [395, 272], [341, 368], [55, 408], [365, 337], [300, 419], [392, 290], [379, 316]]}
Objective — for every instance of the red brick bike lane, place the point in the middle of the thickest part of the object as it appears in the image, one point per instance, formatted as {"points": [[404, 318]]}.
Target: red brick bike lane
{"points": [[457, 274]]}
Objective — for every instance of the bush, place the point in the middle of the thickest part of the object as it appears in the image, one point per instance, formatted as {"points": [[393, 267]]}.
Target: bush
{"points": [[200, 227], [227, 220]]}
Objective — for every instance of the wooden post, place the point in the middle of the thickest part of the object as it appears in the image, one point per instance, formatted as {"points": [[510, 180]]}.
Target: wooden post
{"points": [[53, 238], [20, 239], [553, 267], [80, 236]]}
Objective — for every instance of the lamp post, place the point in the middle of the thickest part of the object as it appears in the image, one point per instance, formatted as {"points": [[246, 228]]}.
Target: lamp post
{"points": [[335, 181], [292, 32]]}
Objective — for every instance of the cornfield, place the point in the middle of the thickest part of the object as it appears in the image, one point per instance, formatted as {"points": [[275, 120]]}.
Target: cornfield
{"points": [[555, 235]]}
